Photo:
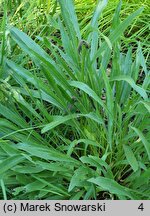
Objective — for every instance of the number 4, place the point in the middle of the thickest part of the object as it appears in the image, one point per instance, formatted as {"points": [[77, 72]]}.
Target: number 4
{"points": [[141, 207]]}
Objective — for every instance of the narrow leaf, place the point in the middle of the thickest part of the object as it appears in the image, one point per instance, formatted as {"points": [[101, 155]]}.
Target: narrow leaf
{"points": [[144, 140], [131, 82], [111, 186], [10, 162], [57, 120], [130, 157]]}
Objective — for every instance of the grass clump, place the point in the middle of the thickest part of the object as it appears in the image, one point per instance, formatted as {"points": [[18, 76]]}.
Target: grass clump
{"points": [[75, 123], [35, 18]]}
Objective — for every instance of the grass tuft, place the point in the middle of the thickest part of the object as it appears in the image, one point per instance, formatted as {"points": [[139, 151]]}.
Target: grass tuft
{"points": [[74, 109]]}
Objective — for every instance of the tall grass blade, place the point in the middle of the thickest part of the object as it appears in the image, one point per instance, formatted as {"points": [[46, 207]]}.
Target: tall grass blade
{"points": [[130, 157], [10, 162], [143, 140], [112, 186], [68, 11], [131, 82], [3, 189], [118, 32]]}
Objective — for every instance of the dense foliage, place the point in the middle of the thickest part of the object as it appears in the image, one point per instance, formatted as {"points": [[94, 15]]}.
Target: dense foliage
{"points": [[74, 104]]}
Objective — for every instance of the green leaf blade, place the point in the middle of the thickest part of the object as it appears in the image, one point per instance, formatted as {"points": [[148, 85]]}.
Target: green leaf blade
{"points": [[130, 157]]}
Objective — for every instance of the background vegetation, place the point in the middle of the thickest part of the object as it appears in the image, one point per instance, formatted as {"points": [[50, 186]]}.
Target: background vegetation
{"points": [[74, 100]]}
